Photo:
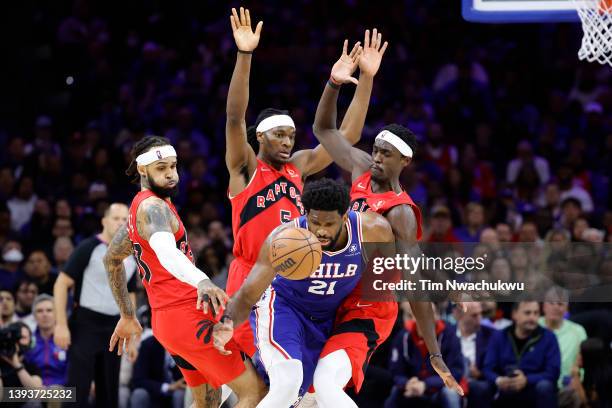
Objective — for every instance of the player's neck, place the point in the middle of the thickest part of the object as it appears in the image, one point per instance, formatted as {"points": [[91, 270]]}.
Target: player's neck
{"points": [[276, 166], [341, 241], [379, 187]]}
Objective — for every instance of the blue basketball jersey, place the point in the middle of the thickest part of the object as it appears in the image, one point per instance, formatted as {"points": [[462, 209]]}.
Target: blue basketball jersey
{"points": [[320, 295]]}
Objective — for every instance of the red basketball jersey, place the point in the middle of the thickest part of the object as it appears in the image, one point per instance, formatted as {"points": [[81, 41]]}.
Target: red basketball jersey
{"points": [[163, 289], [271, 198], [362, 199]]}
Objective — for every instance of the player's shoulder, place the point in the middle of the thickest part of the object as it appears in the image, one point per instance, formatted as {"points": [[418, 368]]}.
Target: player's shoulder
{"points": [[150, 203], [375, 227], [402, 210]]}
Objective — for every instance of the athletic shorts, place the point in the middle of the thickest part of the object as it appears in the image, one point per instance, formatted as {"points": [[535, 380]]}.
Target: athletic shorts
{"points": [[361, 326], [283, 332], [186, 333], [243, 335]]}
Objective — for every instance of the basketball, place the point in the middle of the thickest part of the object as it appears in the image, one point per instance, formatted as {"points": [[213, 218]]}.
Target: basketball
{"points": [[295, 253]]}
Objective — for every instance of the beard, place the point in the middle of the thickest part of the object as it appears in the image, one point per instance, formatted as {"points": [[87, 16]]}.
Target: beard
{"points": [[162, 192], [333, 241]]}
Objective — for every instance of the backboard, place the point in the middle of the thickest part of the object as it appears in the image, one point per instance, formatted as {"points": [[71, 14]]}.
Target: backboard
{"points": [[519, 11]]}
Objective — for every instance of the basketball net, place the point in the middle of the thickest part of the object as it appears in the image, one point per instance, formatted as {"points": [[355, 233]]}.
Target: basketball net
{"points": [[596, 17]]}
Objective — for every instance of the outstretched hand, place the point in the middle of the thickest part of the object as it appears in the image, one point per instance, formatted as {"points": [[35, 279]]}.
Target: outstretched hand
{"points": [[347, 64], [246, 39], [373, 51], [439, 365]]}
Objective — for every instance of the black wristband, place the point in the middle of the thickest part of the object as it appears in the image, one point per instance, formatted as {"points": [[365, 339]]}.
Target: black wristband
{"points": [[18, 369], [245, 52], [434, 355], [332, 84], [224, 318]]}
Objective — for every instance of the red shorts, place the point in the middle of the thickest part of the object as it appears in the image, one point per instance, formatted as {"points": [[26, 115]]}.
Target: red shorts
{"points": [[243, 334], [185, 333], [361, 326]]}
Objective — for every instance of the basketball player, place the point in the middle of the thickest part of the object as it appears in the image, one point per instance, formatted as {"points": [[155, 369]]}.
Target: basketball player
{"points": [[265, 188], [157, 238], [294, 318], [362, 326]]}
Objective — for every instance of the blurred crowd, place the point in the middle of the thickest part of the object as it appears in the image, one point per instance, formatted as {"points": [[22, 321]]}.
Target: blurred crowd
{"points": [[515, 145]]}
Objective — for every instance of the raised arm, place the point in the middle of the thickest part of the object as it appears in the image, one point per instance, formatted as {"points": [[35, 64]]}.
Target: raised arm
{"points": [[404, 224], [238, 152], [338, 144], [369, 63]]}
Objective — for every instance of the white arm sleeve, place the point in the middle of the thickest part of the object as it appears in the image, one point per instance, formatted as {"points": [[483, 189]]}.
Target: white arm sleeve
{"points": [[175, 262]]}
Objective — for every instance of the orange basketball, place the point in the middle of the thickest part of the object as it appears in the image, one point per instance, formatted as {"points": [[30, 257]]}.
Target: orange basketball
{"points": [[295, 253]]}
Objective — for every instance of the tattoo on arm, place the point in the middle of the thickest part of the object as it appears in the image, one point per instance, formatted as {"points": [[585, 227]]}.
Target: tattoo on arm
{"points": [[154, 217], [119, 248], [212, 397]]}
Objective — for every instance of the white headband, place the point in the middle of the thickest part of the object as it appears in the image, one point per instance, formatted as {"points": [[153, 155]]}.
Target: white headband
{"points": [[396, 142], [275, 121], [155, 154]]}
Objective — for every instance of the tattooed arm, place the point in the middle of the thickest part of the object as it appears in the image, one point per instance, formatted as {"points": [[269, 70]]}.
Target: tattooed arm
{"points": [[127, 328], [119, 249]]}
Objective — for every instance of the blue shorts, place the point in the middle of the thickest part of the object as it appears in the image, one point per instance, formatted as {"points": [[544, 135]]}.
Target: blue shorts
{"points": [[283, 332]]}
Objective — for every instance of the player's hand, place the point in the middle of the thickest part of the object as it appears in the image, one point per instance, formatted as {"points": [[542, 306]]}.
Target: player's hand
{"points": [[373, 51], [209, 292], [126, 332], [246, 39], [347, 64], [178, 385], [133, 350], [61, 336], [439, 365], [222, 333]]}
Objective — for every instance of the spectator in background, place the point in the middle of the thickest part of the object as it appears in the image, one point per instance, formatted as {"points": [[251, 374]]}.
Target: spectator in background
{"points": [[415, 379], [62, 249], [38, 269], [493, 316], [22, 203], [570, 189], [525, 158], [46, 355], [474, 342], [9, 271], [7, 308], [504, 232], [523, 361], [580, 225], [438, 152], [569, 334], [25, 293], [441, 225], [6, 233], [571, 210], [474, 223], [14, 370], [156, 380], [62, 227]]}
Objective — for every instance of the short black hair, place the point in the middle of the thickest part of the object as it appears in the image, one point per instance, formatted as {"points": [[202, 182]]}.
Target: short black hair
{"points": [[252, 130], [571, 200], [403, 133], [141, 146], [326, 195]]}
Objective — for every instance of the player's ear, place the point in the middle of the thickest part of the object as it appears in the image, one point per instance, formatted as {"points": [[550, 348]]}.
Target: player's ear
{"points": [[406, 161], [141, 170], [260, 137]]}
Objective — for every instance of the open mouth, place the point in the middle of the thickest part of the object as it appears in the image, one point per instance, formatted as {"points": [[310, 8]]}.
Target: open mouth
{"points": [[324, 241]]}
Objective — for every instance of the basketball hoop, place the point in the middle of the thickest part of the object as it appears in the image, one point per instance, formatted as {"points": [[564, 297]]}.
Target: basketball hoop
{"points": [[596, 17]]}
